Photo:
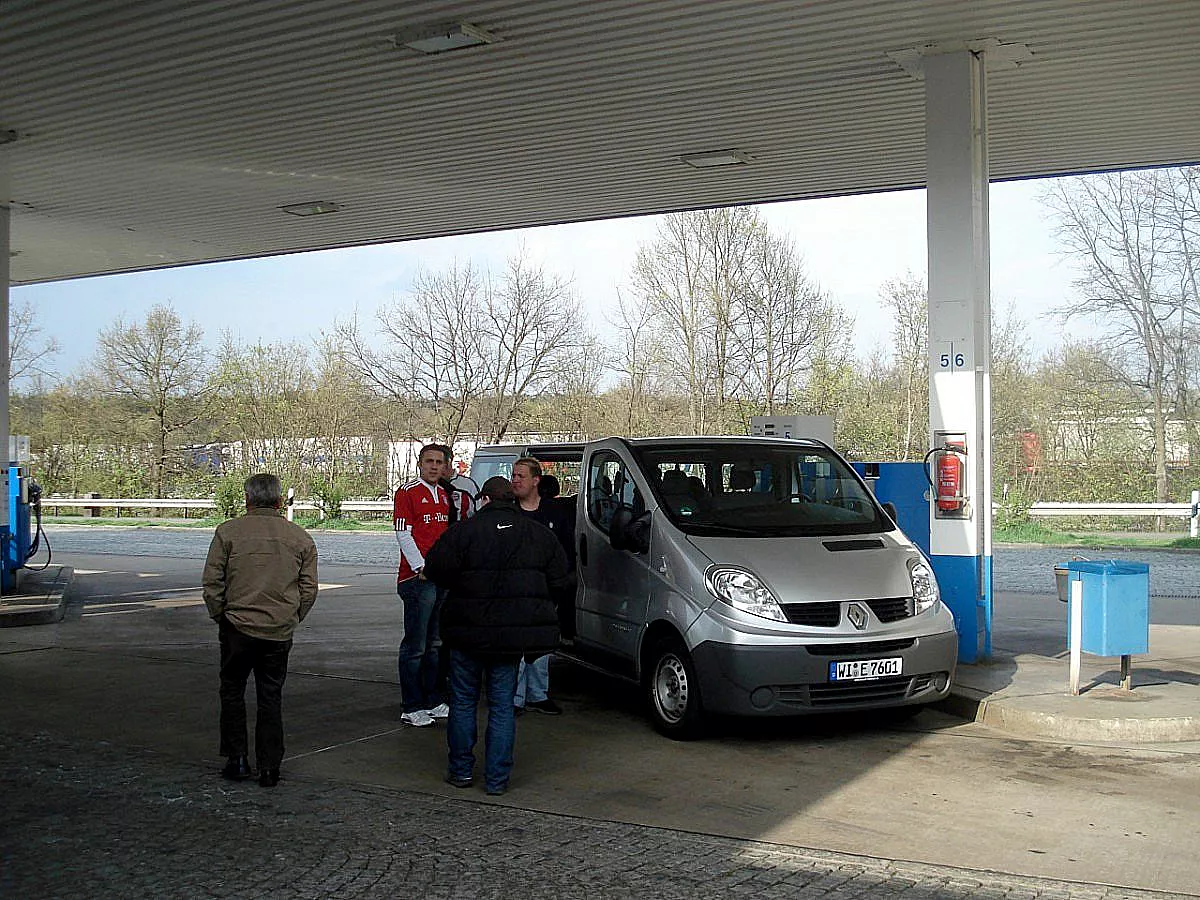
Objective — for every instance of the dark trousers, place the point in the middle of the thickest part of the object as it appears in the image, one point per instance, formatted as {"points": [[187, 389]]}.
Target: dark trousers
{"points": [[420, 646], [468, 674], [241, 655]]}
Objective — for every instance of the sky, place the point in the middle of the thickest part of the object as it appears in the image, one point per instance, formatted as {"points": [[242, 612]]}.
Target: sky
{"points": [[850, 246]]}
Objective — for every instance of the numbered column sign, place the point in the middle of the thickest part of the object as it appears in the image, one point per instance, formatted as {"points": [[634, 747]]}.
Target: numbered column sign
{"points": [[951, 356]]}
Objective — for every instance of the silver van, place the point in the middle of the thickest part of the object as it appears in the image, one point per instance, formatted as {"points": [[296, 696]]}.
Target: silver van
{"points": [[746, 576]]}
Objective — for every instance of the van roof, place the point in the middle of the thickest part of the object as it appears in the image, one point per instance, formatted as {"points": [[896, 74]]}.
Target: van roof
{"points": [[665, 441], [720, 438], [527, 449]]}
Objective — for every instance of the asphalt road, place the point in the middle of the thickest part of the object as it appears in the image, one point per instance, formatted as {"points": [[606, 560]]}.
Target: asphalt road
{"points": [[1024, 570], [108, 750]]}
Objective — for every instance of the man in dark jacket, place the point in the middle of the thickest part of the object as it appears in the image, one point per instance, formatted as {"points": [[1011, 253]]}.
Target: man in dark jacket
{"points": [[503, 574]]}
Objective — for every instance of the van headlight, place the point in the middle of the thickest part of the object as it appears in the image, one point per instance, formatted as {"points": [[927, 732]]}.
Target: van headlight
{"points": [[924, 586], [742, 590]]}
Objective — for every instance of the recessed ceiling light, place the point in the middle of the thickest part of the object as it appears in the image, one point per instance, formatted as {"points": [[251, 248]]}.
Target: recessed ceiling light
{"points": [[440, 38], [312, 208], [715, 159]]}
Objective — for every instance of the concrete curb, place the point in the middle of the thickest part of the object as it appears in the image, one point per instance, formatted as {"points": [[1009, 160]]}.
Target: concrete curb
{"points": [[41, 599], [1019, 717]]}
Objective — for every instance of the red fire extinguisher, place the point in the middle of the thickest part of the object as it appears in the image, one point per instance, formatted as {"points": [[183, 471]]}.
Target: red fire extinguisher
{"points": [[948, 471], [948, 480]]}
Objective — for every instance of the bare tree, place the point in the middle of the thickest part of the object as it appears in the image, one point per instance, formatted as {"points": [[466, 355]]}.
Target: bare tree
{"points": [[161, 366], [532, 330], [469, 351], [1179, 194], [27, 349], [433, 358], [740, 320], [265, 392], [688, 277], [780, 317], [1116, 226], [908, 302], [636, 355]]}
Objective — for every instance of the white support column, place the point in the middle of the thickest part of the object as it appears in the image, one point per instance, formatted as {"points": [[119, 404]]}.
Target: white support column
{"points": [[959, 329], [5, 244]]}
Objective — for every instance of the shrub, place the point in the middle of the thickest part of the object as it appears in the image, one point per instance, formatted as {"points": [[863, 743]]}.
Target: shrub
{"points": [[230, 496], [328, 498]]}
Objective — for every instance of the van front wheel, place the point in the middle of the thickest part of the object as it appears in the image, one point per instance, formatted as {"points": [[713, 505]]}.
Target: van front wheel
{"points": [[673, 692]]}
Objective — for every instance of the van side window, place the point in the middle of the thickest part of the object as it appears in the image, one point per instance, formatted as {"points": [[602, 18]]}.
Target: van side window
{"points": [[609, 488], [684, 487]]}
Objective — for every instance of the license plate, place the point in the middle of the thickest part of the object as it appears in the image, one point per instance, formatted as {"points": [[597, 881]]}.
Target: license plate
{"points": [[865, 669]]}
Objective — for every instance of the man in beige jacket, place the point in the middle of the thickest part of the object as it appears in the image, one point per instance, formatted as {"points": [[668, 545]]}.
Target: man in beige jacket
{"points": [[260, 581]]}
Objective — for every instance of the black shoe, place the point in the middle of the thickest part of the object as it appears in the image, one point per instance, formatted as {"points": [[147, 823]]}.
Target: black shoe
{"points": [[497, 791], [547, 706], [237, 768], [268, 777], [455, 781]]}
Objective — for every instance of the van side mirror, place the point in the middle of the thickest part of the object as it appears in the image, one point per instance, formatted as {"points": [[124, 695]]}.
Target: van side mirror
{"points": [[890, 508], [627, 531]]}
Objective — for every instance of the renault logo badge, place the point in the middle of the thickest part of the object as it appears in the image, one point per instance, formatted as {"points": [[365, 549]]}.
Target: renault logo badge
{"points": [[857, 616]]}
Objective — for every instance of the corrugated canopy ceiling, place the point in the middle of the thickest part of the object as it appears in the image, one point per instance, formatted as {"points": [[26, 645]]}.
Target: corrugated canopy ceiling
{"points": [[156, 133]]}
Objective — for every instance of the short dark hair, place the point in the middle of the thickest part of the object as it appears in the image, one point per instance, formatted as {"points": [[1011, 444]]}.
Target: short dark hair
{"points": [[437, 447], [447, 451], [548, 487], [497, 488], [263, 491]]}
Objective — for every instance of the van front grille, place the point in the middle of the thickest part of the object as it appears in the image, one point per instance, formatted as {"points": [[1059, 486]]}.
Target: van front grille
{"points": [[819, 615], [854, 692], [860, 648], [891, 609], [849, 694]]}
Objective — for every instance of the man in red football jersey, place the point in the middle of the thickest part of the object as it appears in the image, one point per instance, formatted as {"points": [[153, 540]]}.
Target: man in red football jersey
{"points": [[422, 513]]}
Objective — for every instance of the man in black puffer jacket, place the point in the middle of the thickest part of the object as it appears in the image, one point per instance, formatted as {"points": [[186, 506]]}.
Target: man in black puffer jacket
{"points": [[504, 575]]}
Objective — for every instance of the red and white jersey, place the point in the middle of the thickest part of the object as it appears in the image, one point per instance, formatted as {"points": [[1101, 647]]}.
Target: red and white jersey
{"points": [[421, 512]]}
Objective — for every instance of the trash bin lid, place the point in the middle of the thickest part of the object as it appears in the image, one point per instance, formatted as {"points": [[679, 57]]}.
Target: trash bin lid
{"points": [[1109, 567]]}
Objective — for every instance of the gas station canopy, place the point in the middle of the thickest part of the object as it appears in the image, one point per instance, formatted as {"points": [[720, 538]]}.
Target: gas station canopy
{"points": [[137, 135]]}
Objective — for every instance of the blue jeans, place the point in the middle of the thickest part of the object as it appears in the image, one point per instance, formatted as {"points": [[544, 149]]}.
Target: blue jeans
{"points": [[467, 674], [533, 681], [418, 661]]}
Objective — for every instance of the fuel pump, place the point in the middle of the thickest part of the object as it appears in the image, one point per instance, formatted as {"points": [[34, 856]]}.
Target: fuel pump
{"points": [[25, 523], [948, 480]]}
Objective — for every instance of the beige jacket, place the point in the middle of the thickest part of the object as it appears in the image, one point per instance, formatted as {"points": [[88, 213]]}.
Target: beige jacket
{"points": [[261, 574]]}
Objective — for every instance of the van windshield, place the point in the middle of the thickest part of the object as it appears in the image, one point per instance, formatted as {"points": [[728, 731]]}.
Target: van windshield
{"points": [[759, 491]]}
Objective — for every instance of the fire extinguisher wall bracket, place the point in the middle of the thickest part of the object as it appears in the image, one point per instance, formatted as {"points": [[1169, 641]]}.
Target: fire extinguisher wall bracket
{"points": [[949, 453]]}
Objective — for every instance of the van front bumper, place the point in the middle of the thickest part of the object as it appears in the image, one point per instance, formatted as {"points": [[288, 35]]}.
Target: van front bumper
{"points": [[749, 680]]}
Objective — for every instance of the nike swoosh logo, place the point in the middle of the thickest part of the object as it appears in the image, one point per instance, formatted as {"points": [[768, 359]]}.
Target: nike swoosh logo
{"points": [[498, 527]]}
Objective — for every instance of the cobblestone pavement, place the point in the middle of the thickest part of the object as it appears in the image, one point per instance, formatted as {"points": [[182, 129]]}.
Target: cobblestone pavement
{"points": [[100, 821]]}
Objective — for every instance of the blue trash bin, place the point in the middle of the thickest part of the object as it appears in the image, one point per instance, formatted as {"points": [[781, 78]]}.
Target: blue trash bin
{"points": [[1116, 606]]}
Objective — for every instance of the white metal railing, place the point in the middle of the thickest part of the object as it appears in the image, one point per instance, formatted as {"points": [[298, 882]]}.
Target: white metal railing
{"points": [[119, 503], [1189, 511], [1040, 510], [127, 503]]}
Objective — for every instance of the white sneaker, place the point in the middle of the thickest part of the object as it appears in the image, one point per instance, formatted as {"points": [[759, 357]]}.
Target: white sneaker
{"points": [[441, 711], [417, 719]]}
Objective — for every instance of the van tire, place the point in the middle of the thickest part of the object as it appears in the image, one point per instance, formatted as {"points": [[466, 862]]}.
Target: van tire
{"points": [[673, 692]]}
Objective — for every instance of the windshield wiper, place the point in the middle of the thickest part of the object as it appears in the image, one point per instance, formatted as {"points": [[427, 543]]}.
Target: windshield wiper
{"points": [[728, 529]]}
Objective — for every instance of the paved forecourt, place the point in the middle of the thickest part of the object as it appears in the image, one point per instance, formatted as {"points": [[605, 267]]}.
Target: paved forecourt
{"points": [[106, 821], [132, 670]]}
